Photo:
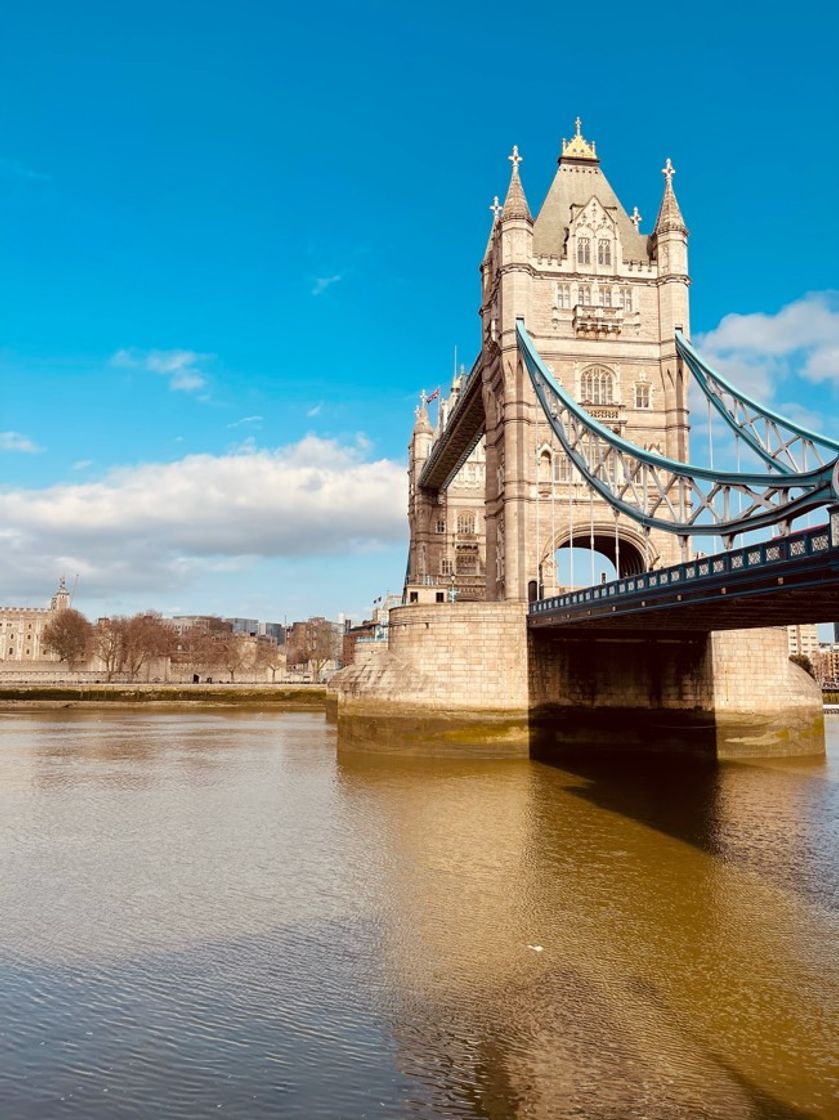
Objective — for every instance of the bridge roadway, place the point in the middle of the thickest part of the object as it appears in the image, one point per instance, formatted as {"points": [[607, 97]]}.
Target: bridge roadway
{"points": [[464, 428], [779, 582]]}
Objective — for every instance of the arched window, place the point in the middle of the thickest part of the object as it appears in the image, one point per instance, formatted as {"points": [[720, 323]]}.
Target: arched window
{"points": [[583, 250], [466, 521], [597, 385], [545, 466], [604, 251]]}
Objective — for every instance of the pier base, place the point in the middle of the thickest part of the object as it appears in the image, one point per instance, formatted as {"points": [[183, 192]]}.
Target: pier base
{"points": [[469, 678]]}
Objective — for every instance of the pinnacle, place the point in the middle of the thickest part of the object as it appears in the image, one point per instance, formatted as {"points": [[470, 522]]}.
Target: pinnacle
{"points": [[669, 218], [515, 204]]}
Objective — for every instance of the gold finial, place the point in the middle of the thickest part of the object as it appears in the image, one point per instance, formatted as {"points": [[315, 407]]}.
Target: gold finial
{"points": [[579, 147]]}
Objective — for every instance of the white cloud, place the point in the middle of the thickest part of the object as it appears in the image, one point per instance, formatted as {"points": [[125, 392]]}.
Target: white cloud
{"points": [[760, 351], [14, 441], [82, 464], [315, 410], [155, 527], [246, 421], [324, 282], [180, 366]]}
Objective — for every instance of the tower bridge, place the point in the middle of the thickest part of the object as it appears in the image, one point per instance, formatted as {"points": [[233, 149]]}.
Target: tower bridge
{"points": [[571, 430]]}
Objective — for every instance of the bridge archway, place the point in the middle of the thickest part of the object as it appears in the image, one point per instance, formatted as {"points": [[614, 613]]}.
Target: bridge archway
{"points": [[573, 559]]}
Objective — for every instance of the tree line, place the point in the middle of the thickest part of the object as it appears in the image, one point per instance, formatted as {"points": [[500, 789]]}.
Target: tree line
{"points": [[125, 646]]}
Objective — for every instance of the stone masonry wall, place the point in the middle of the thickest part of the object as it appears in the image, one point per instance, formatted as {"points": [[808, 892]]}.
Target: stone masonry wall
{"points": [[446, 657]]}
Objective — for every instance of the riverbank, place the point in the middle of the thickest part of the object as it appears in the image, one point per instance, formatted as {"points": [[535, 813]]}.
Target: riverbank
{"points": [[298, 696]]}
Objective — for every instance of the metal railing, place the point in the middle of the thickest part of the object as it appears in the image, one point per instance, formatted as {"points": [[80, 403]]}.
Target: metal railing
{"points": [[779, 550]]}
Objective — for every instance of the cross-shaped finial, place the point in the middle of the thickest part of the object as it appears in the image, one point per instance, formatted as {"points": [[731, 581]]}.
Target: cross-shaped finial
{"points": [[635, 218], [423, 399], [515, 158], [668, 171], [579, 125], [496, 208]]}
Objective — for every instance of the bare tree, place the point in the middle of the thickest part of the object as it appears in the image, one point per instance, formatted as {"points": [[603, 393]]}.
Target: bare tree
{"points": [[269, 655], [322, 644], [108, 644], [69, 636], [232, 652], [145, 636]]}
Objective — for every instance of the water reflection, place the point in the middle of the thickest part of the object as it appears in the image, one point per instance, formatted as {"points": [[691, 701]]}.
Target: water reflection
{"points": [[214, 913]]}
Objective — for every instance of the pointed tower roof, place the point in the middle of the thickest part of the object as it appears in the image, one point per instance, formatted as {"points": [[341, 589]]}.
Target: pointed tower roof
{"points": [[578, 179], [579, 148], [515, 204], [669, 218]]}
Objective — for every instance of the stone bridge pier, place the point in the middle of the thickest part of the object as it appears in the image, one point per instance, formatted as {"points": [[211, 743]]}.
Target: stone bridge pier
{"points": [[471, 678]]}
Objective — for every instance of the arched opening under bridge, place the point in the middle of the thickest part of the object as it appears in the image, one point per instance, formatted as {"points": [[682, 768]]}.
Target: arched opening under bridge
{"points": [[582, 566]]}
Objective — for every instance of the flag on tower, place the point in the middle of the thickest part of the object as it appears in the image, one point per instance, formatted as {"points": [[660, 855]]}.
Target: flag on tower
{"points": [[434, 395]]}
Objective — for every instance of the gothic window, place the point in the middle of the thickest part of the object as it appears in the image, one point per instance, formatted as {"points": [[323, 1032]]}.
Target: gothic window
{"points": [[445, 567], [626, 299], [441, 525], [604, 251], [466, 521], [584, 295], [563, 295], [642, 395], [583, 250], [597, 385], [605, 296], [562, 468]]}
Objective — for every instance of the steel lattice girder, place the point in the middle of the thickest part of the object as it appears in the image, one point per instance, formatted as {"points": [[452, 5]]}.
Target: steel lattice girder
{"points": [[663, 493], [773, 437]]}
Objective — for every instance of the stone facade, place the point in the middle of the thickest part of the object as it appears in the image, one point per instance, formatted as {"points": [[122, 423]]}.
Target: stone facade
{"points": [[22, 630], [602, 302]]}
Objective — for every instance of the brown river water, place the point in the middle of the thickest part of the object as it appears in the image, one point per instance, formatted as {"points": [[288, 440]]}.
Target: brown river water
{"points": [[221, 913]]}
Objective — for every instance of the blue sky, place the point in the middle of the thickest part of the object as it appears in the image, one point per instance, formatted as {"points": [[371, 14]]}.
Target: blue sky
{"points": [[236, 240]]}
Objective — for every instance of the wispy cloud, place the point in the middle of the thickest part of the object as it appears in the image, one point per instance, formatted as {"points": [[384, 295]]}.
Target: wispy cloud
{"points": [[180, 366], [246, 422], [14, 169], [82, 464], [315, 410], [15, 441], [324, 282]]}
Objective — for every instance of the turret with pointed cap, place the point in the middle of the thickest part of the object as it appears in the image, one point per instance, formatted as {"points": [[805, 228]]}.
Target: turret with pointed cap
{"points": [[669, 218], [515, 204]]}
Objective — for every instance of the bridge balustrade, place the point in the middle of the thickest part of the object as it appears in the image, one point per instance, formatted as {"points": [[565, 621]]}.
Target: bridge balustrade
{"points": [[810, 542]]}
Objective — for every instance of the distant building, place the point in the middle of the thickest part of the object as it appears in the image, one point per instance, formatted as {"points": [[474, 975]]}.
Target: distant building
{"points": [[210, 623], [22, 628], [244, 626], [803, 640]]}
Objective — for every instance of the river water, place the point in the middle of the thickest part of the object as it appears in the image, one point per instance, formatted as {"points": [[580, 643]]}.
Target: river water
{"points": [[221, 914]]}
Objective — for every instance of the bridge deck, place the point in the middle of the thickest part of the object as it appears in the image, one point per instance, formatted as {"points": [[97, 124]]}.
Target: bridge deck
{"points": [[780, 582], [465, 427]]}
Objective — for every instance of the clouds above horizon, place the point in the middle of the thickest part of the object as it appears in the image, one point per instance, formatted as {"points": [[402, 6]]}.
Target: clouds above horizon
{"points": [[760, 352], [154, 526], [182, 367]]}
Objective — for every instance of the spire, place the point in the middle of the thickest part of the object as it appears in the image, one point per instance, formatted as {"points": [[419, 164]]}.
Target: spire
{"points": [[579, 149], [422, 423], [497, 210], [669, 218], [515, 204]]}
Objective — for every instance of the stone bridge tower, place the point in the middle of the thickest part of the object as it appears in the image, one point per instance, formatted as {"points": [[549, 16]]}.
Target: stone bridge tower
{"points": [[602, 302]]}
